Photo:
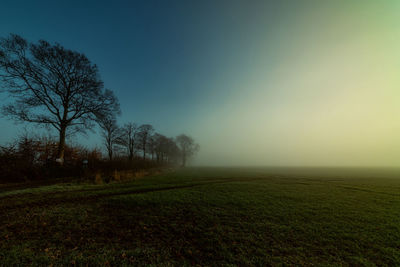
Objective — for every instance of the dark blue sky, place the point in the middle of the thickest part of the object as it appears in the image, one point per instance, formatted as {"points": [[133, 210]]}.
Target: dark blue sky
{"points": [[165, 60]]}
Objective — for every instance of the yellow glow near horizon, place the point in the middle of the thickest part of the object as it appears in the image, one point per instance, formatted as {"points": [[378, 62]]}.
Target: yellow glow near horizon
{"points": [[333, 98]]}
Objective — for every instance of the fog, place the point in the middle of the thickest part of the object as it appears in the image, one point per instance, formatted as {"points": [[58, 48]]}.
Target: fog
{"points": [[323, 90]]}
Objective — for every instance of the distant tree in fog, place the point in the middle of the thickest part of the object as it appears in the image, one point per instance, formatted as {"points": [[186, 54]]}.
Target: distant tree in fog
{"points": [[159, 141], [164, 148], [151, 146], [187, 147], [172, 150], [52, 86], [145, 131]]}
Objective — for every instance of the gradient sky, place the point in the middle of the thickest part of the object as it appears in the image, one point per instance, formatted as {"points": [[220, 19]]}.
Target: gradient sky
{"points": [[254, 82]]}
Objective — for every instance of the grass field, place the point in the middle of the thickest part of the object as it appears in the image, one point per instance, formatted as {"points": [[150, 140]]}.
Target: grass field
{"points": [[208, 216]]}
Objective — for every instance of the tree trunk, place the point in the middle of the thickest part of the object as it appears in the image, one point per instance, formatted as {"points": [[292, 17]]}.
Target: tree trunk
{"points": [[61, 145], [131, 149], [183, 159]]}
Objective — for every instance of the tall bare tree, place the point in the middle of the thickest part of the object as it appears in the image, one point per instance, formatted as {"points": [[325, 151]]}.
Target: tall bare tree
{"points": [[52, 86], [145, 131], [187, 147], [110, 133], [128, 138]]}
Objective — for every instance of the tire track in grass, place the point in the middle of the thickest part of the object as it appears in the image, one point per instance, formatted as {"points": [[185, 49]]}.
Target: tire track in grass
{"points": [[48, 199], [62, 197]]}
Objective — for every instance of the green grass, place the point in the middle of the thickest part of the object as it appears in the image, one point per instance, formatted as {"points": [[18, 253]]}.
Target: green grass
{"points": [[209, 216]]}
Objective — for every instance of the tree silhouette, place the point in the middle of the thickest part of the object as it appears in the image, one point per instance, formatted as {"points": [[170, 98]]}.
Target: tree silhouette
{"points": [[165, 149], [52, 86], [128, 138], [187, 147], [110, 133], [145, 131]]}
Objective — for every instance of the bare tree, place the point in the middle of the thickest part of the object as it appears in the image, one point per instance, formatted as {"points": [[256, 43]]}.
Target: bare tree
{"points": [[165, 149], [187, 147], [128, 138], [151, 145], [52, 86], [110, 133], [145, 131], [171, 150], [159, 144]]}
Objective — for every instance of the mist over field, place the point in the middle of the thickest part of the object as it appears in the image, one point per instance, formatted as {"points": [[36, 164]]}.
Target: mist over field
{"points": [[318, 87]]}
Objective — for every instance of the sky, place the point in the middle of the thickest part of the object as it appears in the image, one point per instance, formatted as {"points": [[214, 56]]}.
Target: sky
{"points": [[274, 83]]}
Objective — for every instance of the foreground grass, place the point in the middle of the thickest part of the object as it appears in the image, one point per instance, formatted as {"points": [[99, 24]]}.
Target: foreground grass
{"points": [[207, 216]]}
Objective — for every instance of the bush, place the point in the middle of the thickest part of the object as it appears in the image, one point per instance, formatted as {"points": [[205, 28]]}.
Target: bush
{"points": [[33, 159]]}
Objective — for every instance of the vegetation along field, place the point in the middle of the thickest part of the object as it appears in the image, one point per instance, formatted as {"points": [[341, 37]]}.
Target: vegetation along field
{"points": [[208, 216]]}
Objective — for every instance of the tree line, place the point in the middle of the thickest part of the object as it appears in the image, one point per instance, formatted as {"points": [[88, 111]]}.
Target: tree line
{"points": [[61, 89], [132, 140]]}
